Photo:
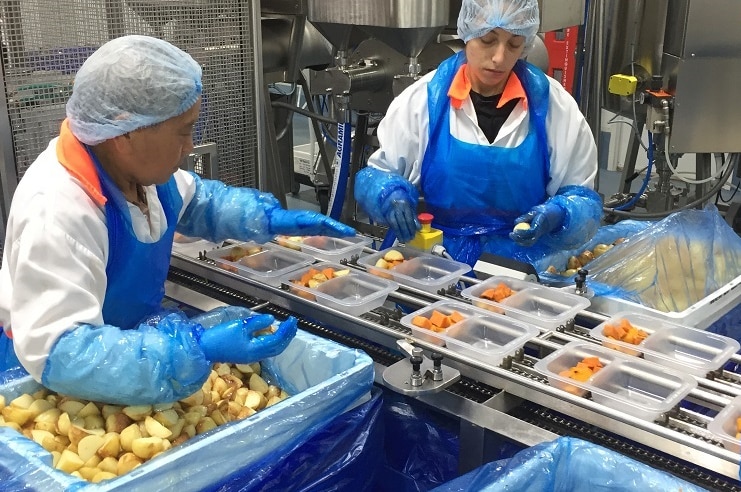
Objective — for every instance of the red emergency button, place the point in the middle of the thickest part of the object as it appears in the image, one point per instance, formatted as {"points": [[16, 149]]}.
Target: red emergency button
{"points": [[425, 218]]}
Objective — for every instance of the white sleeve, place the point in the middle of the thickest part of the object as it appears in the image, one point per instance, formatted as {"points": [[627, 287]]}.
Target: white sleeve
{"points": [[58, 259], [571, 143], [403, 133]]}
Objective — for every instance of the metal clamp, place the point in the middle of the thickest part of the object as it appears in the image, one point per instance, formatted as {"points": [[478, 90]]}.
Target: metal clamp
{"points": [[418, 374]]}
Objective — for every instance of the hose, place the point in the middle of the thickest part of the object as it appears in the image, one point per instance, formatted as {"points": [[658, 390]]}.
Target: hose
{"points": [[694, 203], [644, 185]]}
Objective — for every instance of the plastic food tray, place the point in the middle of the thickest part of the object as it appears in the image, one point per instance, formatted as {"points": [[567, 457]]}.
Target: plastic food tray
{"points": [[678, 347], [355, 293], [268, 265], [700, 315], [420, 270], [480, 335], [724, 425], [329, 248], [627, 384], [543, 306]]}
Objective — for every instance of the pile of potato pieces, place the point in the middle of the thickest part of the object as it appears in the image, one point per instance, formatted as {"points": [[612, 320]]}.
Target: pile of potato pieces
{"points": [[582, 371], [498, 293], [313, 277], [390, 259], [438, 322], [574, 263], [97, 442], [238, 252], [291, 242], [624, 331]]}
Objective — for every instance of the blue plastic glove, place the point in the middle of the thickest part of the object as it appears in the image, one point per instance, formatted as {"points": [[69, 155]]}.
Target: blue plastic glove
{"points": [[305, 223], [543, 219], [235, 341], [401, 215]]}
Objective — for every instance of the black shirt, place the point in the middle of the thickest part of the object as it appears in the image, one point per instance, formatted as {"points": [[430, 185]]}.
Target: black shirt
{"points": [[490, 117]]}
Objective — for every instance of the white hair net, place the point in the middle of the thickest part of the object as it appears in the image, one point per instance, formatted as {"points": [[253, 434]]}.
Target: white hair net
{"points": [[478, 17], [129, 83]]}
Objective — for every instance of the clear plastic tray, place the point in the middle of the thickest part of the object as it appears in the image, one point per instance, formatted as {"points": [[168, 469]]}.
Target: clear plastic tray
{"points": [[446, 307], [420, 270], [264, 262], [679, 347], [330, 248], [635, 387], [355, 293], [724, 425], [533, 303]]}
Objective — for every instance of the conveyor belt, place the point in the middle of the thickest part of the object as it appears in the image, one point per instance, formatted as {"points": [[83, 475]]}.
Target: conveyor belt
{"points": [[679, 420]]}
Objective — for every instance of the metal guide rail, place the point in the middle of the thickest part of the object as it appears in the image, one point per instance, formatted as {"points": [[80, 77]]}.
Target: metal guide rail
{"points": [[512, 399]]}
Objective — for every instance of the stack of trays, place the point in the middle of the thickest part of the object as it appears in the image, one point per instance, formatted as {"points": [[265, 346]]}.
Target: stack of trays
{"points": [[350, 291], [417, 269], [678, 347], [624, 383], [542, 306], [263, 262], [473, 332], [325, 247]]}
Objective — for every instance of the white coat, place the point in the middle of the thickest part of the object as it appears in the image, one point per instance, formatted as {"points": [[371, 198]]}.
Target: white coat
{"points": [[404, 131], [57, 242]]}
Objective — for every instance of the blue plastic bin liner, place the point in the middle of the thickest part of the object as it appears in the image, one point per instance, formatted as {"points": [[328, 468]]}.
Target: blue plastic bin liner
{"points": [[567, 465], [421, 447], [8, 359], [344, 455], [324, 378]]}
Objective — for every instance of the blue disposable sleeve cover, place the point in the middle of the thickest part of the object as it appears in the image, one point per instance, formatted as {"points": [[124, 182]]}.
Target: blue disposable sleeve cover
{"points": [[566, 465], [150, 364], [583, 208], [373, 188], [327, 380], [218, 212]]}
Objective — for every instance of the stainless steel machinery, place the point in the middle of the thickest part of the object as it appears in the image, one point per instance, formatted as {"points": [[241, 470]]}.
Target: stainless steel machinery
{"points": [[508, 400], [669, 66]]}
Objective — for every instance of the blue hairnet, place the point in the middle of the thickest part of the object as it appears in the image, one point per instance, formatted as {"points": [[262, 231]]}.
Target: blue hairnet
{"points": [[129, 83], [478, 17]]}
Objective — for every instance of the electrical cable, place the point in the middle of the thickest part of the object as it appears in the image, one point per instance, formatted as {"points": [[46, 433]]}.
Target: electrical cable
{"points": [[694, 203], [687, 180]]}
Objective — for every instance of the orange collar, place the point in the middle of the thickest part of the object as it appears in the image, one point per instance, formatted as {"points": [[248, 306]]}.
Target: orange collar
{"points": [[72, 154], [461, 87]]}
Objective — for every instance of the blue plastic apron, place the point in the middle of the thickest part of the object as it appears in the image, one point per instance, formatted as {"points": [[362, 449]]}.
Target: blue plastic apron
{"points": [[136, 271], [477, 191]]}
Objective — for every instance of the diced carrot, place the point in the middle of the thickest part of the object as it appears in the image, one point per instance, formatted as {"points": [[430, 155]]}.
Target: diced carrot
{"points": [[328, 272], [593, 363], [581, 373], [439, 319], [422, 322], [455, 317], [488, 294]]}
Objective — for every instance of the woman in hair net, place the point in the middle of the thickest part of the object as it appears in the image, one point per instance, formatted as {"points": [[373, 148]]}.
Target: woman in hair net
{"points": [[91, 228], [491, 142]]}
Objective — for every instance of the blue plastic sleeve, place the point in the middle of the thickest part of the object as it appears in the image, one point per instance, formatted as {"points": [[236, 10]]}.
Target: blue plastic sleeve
{"points": [[583, 208], [147, 365], [219, 212], [373, 188]]}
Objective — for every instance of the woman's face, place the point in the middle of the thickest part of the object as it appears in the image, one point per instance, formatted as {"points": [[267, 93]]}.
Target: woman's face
{"points": [[491, 59]]}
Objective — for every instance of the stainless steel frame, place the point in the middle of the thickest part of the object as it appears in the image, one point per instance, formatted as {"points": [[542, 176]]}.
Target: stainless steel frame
{"points": [[681, 433]]}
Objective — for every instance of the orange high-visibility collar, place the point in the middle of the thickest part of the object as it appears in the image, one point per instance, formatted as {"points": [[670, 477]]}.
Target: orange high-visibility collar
{"points": [[72, 154], [461, 87]]}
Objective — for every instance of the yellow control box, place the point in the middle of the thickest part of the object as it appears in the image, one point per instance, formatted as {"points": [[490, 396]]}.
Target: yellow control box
{"points": [[622, 85], [427, 236]]}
